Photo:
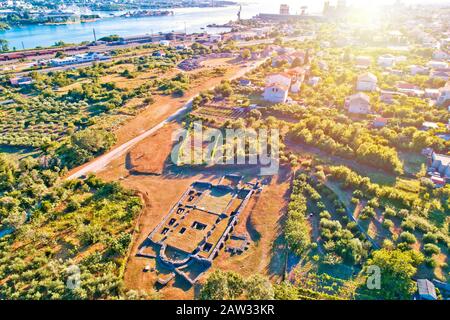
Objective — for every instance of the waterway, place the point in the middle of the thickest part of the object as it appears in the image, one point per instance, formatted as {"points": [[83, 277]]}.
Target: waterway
{"points": [[184, 19]]}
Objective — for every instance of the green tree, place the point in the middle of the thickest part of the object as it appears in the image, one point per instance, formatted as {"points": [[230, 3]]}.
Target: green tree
{"points": [[259, 287], [286, 291], [4, 46], [222, 286], [397, 269], [246, 54]]}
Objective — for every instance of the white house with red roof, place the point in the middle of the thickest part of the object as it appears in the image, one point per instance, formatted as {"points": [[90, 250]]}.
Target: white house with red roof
{"points": [[282, 78], [367, 82], [441, 55], [276, 93], [444, 95]]}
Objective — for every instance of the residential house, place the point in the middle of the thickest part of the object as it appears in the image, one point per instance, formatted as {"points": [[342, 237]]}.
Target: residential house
{"points": [[282, 78], [428, 125], [289, 57], [414, 69], [387, 60], [255, 55], [276, 93], [276, 61], [215, 37], [444, 95], [401, 59], [441, 55], [432, 94], [367, 82], [314, 81], [268, 52], [358, 103], [380, 122], [322, 65], [300, 56], [443, 74], [296, 85], [387, 97], [245, 35], [325, 44], [79, 58], [439, 168], [409, 89], [159, 53], [21, 81], [298, 76], [426, 290], [165, 43], [437, 64]]}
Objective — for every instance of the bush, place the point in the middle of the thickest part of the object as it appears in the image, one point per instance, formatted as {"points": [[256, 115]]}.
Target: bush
{"points": [[352, 226], [358, 194], [325, 214], [408, 225], [430, 238], [374, 203], [407, 237], [367, 213], [430, 262], [388, 224], [389, 212], [403, 213], [72, 206], [429, 249], [321, 206]]}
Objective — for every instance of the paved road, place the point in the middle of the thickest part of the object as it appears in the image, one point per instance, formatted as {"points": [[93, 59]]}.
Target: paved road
{"points": [[102, 161]]}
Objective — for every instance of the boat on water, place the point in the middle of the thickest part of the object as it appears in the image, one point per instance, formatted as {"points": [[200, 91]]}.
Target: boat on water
{"points": [[147, 13]]}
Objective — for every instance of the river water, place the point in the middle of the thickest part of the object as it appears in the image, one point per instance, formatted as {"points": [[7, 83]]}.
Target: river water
{"points": [[191, 19]]}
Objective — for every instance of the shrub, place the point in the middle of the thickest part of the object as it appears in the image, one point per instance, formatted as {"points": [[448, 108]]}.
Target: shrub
{"points": [[430, 262], [408, 225], [407, 237], [358, 194], [352, 226], [430, 238], [325, 214], [389, 212], [403, 213], [367, 213], [431, 249], [374, 203], [388, 224], [72, 206], [321, 205]]}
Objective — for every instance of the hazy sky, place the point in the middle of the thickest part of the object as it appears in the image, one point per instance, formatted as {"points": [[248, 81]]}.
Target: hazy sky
{"points": [[319, 3]]}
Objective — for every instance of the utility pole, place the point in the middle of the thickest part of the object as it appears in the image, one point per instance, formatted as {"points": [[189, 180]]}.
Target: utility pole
{"points": [[23, 46], [95, 35]]}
